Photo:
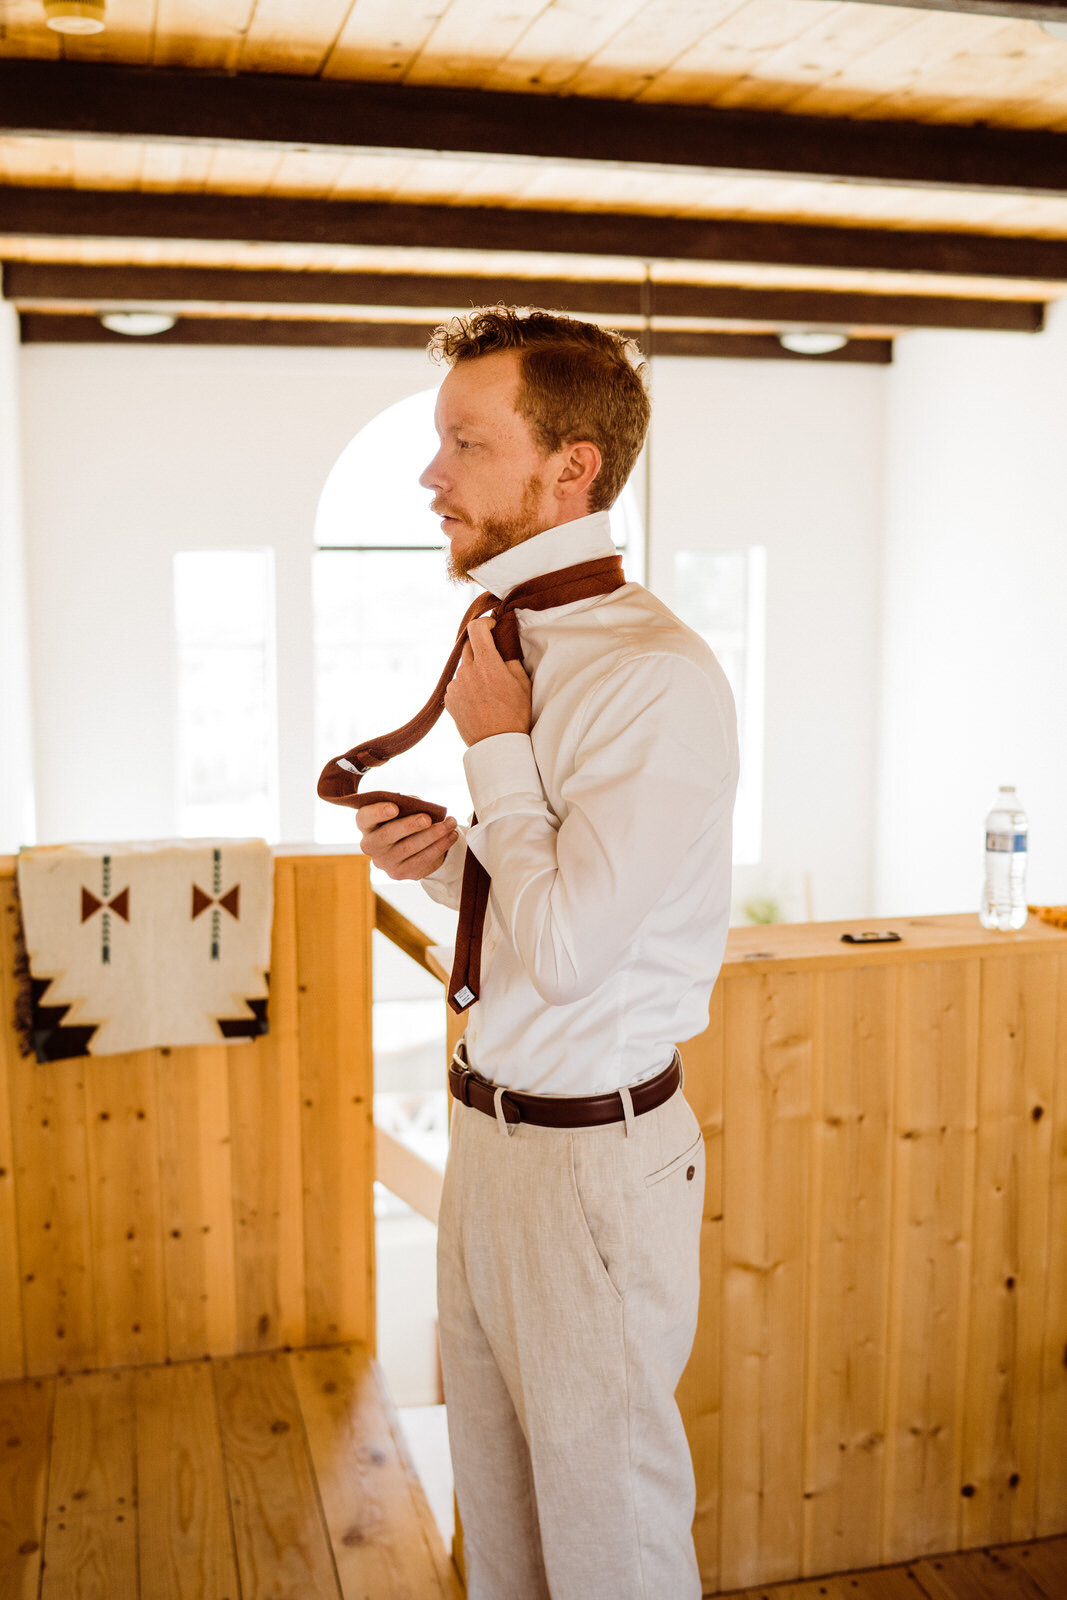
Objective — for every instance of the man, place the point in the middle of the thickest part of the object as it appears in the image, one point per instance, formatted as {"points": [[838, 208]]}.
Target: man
{"points": [[603, 769]]}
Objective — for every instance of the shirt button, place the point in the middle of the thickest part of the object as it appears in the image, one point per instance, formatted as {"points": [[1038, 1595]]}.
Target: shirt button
{"points": [[691, 1174]]}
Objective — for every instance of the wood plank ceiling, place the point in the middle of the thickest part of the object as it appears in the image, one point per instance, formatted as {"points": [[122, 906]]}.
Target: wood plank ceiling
{"points": [[352, 170]]}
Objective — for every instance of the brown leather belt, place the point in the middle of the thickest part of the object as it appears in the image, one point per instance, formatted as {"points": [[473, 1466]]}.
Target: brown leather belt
{"points": [[561, 1111]]}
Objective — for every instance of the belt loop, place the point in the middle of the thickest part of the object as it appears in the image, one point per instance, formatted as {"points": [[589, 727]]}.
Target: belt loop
{"points": [[627, 1109], [498, 1106]]}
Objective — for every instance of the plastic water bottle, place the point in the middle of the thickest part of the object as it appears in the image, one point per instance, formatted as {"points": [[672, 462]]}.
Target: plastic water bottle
{"points": [[1004, 894]]}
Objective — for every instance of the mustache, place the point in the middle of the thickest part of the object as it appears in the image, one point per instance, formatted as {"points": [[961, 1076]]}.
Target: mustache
{"points": [[440, 510]]}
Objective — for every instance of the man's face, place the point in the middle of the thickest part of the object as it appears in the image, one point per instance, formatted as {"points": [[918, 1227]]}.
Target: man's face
{"points": [[492, 484]]}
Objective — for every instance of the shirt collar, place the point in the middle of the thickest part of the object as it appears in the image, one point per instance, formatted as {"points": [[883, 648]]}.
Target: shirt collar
{"points": [[584, 539]]}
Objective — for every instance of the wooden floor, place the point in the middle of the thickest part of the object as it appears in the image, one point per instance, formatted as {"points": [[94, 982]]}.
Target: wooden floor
{"points": [[285, 1477], [1035, 1571], [269, 1477]]}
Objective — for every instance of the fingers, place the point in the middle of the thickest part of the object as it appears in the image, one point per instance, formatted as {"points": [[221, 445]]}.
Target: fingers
{"points": [[369, 817], [405, 847], [480, 638], [424, 861]]}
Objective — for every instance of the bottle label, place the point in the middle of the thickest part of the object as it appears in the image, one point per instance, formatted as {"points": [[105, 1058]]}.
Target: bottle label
{"points": [[1007, 842]]}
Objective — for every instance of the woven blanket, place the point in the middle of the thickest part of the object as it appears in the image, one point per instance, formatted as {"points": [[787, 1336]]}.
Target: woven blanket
{"points": [[132, 946]]}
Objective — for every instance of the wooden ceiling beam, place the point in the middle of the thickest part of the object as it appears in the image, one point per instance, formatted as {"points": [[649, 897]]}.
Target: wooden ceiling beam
{"points": [[67, 98], [1019, 10], [179, 287], [47, 328], [92, 213]]}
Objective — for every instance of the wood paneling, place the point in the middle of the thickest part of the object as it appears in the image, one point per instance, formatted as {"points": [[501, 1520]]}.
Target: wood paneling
{"points": [[268, 1178], [1052, 1451], [1009, 1277], [878, 1372], [769, 1031], [932, 1255], [196, 1200], [25, 1435], [52, 1191], [125, 1221], [845, 1453], [12, 1353], [334, 1023], [178, 1203]]}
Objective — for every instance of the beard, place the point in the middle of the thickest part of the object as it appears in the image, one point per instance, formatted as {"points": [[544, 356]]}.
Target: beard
{"points": [[493, 535]]}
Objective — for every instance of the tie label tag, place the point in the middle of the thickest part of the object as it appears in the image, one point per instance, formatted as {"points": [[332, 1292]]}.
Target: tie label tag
{"points": [[464, 996]]}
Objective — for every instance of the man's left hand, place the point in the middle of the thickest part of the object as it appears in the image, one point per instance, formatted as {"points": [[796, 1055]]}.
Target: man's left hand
{"points": [[488, 695]]}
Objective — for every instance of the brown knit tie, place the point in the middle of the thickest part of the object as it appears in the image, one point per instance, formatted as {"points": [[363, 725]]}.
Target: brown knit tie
{"points": [[340, 777]]}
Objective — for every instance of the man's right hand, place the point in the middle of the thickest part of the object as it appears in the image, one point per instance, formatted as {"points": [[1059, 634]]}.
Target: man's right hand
{"points": [[404, 847]]}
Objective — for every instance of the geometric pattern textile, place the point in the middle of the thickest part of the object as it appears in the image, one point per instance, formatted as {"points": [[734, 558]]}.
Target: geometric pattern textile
{"points": [[133, 946]]}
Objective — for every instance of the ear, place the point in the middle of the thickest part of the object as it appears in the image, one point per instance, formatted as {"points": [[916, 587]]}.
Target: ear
{"points": [[580, 464]]}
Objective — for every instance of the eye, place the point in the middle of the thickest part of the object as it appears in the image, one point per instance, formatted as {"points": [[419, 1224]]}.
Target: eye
{"points": [[463, 444]]}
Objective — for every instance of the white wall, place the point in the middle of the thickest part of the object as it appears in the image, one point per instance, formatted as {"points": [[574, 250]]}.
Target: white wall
{"points": [[132, 453], [171, 448], [789, 456], [16, 760], [975, 670]]}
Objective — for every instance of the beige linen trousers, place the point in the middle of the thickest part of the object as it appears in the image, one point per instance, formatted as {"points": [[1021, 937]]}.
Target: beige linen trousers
{"points": [[568, 1280]]}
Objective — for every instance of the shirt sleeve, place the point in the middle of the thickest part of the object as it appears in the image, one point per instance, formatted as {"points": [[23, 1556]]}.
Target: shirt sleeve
{"points": [[655, 764], [446, 884]]}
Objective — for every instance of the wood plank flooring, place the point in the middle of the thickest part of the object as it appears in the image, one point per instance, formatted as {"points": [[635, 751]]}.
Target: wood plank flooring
{"points": [[281, 1476], [284, 1476], [1034, 1571]]}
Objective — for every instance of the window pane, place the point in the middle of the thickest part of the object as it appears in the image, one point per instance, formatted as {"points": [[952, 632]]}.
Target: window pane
{"points": [[385, 622], [227, 722], [373, 495], [722, 596]]}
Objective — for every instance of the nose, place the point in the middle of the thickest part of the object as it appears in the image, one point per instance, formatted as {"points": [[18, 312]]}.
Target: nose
{"points": [[430, 477]]}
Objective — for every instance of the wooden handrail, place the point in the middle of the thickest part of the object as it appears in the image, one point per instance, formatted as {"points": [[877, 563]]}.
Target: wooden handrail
{"points": [[404, 933], [406, 1174]]}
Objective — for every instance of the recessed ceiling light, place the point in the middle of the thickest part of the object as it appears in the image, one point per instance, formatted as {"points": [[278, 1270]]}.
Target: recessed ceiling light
{"points": [[810, 342], [1058, 30], [75, 16], [138, 324]]}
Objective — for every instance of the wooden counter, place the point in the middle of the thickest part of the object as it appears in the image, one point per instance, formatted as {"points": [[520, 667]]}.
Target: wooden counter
{"points": [[881, 1365]]}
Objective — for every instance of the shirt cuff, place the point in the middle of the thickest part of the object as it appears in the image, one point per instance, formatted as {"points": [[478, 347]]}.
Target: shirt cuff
{"points": [[443, 884], [502, 776]]}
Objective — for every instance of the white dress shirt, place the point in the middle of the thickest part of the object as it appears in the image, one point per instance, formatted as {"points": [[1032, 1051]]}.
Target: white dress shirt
{"points": [[606, 832]]}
